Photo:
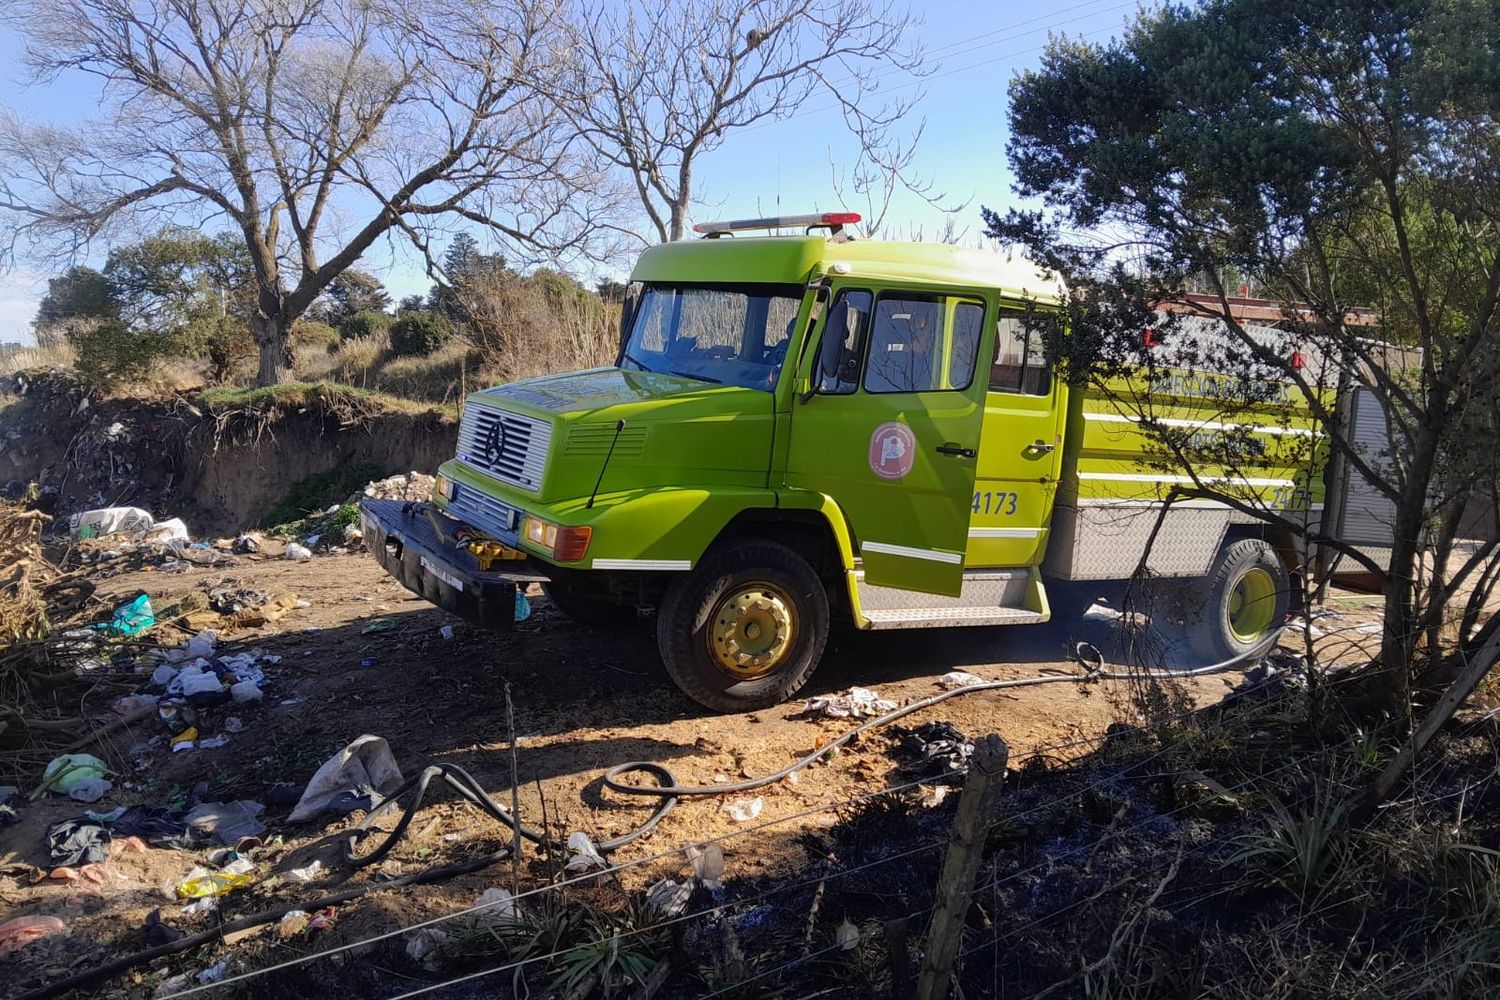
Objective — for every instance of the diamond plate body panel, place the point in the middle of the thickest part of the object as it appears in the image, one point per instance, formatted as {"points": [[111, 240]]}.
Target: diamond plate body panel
{"points": [[936, 617], [1106, 541], [984, 589], [509, 446]]}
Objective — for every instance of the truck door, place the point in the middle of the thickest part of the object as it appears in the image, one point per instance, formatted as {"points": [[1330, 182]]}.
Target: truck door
{"points": [[1019, 464], [890, 428]]}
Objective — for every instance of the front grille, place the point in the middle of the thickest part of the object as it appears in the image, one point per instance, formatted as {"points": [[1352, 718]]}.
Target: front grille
{"points": [[508, 446], [479, 510]]}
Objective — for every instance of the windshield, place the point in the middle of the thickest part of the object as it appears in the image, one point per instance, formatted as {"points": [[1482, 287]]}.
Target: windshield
{"points": [[726, 335]]}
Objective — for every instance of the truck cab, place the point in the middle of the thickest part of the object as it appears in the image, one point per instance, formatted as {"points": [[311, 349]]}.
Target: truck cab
{"points": [[799, 428]]}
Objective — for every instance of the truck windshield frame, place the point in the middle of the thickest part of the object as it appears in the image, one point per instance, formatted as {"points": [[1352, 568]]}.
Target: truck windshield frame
{"points": [[736, 335]]}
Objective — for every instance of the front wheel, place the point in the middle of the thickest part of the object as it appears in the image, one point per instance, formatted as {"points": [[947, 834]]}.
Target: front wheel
{"points": [[746, 628], [1245, 597]]}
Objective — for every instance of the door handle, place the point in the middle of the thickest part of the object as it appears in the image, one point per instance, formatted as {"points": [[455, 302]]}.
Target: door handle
{"points": [[1040, 445], [956, 450]]}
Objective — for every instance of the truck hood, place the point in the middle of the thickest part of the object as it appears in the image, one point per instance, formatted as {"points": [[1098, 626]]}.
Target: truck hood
{"points": [[677, 431]]}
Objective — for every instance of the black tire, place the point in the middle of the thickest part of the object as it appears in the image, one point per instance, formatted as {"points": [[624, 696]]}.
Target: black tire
{"points": [[1210, 616], [589, 611], [686, 625]]}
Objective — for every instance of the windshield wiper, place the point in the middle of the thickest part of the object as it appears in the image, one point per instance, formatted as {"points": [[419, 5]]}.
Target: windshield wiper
{"points": [[698, 378]]}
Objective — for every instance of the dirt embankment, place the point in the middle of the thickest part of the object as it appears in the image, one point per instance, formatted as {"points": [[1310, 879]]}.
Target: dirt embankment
{"points": [[220, 462]]}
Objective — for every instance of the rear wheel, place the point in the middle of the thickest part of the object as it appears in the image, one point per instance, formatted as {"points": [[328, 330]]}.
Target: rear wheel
{"points": [[588, 610], [1242, 601], [746, 628]]}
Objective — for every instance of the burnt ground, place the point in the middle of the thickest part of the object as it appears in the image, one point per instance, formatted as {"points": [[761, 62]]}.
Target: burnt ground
{"points": [[583, 700]]}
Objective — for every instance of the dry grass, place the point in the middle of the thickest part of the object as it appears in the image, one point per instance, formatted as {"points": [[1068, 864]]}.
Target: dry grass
{"points": [[51, 356]]}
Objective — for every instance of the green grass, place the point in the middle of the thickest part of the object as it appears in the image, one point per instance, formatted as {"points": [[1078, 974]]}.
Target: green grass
{"points": [[289, 394], [313, 494]]}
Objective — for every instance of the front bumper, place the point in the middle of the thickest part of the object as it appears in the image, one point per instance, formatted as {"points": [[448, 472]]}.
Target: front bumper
{"points": [[414, 542]]}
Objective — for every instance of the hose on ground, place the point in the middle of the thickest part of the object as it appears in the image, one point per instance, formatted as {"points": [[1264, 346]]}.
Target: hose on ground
{"points": [[666, 790]]}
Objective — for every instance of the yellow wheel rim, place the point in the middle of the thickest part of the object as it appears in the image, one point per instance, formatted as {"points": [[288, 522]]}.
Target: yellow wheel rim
{"points": [[1252, 605], [752, 631]]}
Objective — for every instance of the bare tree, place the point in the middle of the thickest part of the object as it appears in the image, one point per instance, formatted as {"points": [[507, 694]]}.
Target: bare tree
{"points": [[314, 128], [658, 85]]}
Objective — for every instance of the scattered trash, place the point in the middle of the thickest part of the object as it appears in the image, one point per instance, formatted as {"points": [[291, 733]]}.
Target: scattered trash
{"points": [[163, 675], [292, 923], [523, 607], [200, 646], [585, 855], [495, 908], [958, 679], [1370, 628], [245, 692], [446, 631], [195, 681], [156, 825], [934, 751], [744, 810], [233, 723], [668, 897], [933, 795], [72, 842], [352, 534], [424, 946], [206, 904], [202, 883], [111, 521], [212, 742], [215, 972], [132, 704], [847, 936], [131, 618], [323, 920], [158, 932], [378, 626], [246, 545], [298, 553], [70, 772], [185, 740], [367, 662], [19, 932], [229, 822], [306, 873], [357, 777], [856, 703], [170, 530], [708, 863]]}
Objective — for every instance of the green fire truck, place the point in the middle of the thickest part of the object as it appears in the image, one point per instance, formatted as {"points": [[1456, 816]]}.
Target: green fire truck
{"points": [[806, 428]]}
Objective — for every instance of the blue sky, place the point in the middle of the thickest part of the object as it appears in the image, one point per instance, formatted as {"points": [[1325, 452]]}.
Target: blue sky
{"points": [[973, 49]]}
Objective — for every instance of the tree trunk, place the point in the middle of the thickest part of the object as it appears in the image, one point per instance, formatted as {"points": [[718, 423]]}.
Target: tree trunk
{"points": [[275, 348]]}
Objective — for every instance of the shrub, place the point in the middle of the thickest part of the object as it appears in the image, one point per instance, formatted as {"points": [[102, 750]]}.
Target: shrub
{"points": [[419, 333], [366, 324], [109, 352], [309, 333]]}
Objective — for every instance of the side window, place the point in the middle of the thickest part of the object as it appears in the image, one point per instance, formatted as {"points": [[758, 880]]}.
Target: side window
{"points": [[1020, 361], [843, 342], [906, 344], [968, 323]]}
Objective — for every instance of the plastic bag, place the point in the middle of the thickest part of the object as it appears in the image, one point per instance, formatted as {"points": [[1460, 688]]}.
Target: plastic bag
{"points": [[130, 618], [202, 882], [68, 772]]}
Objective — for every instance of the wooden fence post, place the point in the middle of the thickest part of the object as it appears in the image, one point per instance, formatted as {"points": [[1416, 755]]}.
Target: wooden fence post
{"points": [[976, 808]]}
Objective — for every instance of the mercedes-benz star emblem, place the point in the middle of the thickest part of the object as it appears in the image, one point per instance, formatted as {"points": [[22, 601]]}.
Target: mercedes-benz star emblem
{"points": [[494, 442]]}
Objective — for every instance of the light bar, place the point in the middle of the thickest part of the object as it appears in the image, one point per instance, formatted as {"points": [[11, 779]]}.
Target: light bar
{"points": [[834, 220]]}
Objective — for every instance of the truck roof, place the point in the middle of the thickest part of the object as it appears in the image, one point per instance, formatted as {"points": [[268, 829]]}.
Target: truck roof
{"points": [[795, 260]]}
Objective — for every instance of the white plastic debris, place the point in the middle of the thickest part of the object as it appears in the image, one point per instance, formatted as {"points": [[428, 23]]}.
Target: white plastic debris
{"points": [[585, 854], [212, 742], [311, 541], [215, 972], [934, 795], [89, 789], [200, 646], [856, 703], [195, 680], [163, 675], [744, 810], [292, 923], [669, 898], [306, 873], [707, 862], [958, 679], [112, 520], [246, 692], [847, 936], [298, 553], [425, 947], [495, 908], [171, 530], [352, 534]]}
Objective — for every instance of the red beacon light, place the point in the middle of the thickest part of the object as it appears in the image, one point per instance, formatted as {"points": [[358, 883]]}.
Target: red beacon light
{"points": [[1298, 360], [836, 221]]}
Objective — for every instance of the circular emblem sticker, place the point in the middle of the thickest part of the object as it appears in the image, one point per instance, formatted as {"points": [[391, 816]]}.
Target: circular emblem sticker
{"points": [[893, 448]]}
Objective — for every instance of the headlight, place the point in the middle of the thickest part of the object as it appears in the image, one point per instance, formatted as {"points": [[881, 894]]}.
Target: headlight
{"points": [[442, 486], [566, 544]]}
